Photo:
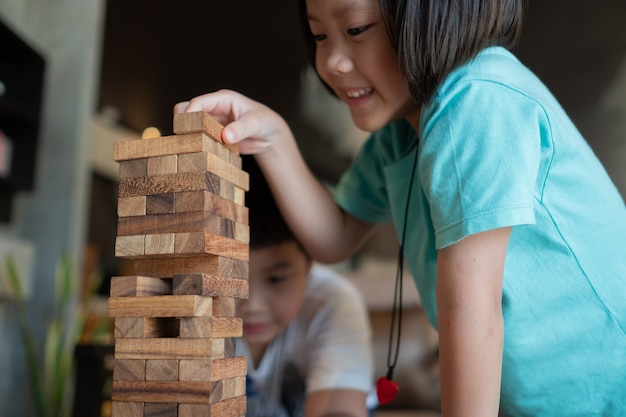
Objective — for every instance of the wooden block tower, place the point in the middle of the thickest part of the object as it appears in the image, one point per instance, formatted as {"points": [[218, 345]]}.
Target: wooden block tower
{"points": [[182, 221]]}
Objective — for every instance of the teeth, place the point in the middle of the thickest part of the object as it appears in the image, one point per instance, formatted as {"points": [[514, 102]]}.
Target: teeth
{"points": [[359, 93]]}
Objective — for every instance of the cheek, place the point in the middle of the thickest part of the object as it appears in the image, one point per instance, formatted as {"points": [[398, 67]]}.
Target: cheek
{"points": [[287, 308]]}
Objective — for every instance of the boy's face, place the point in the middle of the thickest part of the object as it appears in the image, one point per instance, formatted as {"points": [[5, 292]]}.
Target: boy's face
{"points": [[278, 276]]}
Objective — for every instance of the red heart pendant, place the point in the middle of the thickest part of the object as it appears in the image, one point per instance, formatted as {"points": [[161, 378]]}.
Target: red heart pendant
{"points": [[386, 390]]}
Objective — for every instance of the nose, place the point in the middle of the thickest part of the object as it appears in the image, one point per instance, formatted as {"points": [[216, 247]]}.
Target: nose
{"points": [[335, 59], [255, 302]]}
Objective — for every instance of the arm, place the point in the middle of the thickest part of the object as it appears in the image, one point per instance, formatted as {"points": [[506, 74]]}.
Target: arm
{"points": [[471, 329], [327, 232], [336, 403]]}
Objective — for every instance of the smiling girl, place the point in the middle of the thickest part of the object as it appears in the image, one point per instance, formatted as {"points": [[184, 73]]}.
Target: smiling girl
{"points": [[514, 233]]}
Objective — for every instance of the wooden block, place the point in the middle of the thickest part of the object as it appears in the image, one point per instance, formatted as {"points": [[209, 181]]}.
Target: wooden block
{"points": [[192, 201], [167, 145], [129, 327], [140, 286], [162, 370], [193, 221], [212, 370], [209, 285], [233, 407], [131, 206], [227, 388], [165, 348], [129, 370], [201, 122], [204, 264], [239, 196], [129, 246], [197, 243], [206, 161], [126, 409], [198, 121], [135, 327], [159, 244], [224, 307], [159, 165], [160, 306], [133, 168], [174, 183], [160, 409], [160, 203], [190, 392], [230, 347], [210, 327]]}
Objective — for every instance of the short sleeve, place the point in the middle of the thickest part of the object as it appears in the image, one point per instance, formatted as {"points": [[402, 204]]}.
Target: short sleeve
{"points": [[362, 189], [479, 159]]}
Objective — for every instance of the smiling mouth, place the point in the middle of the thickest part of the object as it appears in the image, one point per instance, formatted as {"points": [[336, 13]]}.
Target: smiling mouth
{"points": [[359, 93]]}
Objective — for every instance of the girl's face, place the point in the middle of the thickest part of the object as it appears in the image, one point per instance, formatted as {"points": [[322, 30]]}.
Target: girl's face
{"points": [[355, 58]]}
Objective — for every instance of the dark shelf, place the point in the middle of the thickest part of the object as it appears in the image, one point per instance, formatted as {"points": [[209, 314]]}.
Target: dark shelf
{"points": [[21, 90]]}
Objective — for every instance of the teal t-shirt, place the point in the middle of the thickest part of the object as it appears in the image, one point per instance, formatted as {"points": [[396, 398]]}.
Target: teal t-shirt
{"points": [[495, 150]]}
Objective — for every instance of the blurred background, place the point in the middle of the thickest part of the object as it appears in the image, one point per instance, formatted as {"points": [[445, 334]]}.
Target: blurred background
{"points": [[78, 75]]}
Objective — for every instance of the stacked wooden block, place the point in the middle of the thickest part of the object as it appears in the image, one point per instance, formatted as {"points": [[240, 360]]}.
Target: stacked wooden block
{"points": [[182, 221]]}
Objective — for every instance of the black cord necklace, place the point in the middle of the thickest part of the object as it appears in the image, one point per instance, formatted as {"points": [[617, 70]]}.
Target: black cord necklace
{"points": [[386, 388]]}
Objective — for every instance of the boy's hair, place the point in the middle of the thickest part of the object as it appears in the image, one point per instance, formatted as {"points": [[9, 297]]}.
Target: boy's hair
{"points": [[434, 37], [267, 226]]}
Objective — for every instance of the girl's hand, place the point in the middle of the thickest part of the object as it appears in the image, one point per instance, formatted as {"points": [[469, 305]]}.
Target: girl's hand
{"points": [[253, 125]]}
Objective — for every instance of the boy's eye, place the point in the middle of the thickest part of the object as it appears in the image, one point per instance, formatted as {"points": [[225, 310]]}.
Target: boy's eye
{"points": [[277, 279], [358, 31]]}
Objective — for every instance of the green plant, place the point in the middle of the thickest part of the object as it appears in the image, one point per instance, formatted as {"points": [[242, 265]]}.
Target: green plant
{"points": [[51, 376]]}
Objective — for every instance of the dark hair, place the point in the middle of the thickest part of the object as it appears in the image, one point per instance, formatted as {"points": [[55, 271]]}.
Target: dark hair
{"points": [[267, 225], [434, 37]]}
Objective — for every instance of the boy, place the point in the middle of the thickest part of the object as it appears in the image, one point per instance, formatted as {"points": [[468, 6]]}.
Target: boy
{"points": [[306, 330]]}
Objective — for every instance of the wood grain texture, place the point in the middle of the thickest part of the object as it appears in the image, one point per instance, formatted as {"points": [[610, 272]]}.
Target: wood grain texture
{"points": [[129, 370], [166, 348], [162, 370], [133, 168], [189, 392], [128, 327], [206, 161], [127, 409], [160, 203], [191, 201], [160, 410], [166, 145], [203, 264], [209, 285], [173, 183], [233, 407], [160, 165], [140, 286], [210, 327], [192, 221], [212, 370], [201, 121], [224, 307], [131, 206], [160, 306]]}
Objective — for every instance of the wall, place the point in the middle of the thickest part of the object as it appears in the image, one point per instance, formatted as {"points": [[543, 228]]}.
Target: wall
{"points": [[52, 217]]}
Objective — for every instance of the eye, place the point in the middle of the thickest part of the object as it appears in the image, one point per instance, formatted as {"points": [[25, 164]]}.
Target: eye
{"points": [[277, 279], [319, 38], [358, 30]]}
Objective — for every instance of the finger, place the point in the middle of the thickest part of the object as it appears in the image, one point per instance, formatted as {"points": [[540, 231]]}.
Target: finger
{"points": [[181, 107]]}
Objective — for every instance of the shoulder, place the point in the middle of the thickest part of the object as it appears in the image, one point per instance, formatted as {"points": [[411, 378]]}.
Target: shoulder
{"points": [[331, 298]]}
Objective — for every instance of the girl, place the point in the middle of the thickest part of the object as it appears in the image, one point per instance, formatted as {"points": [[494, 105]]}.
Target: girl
{"points": [[513, 231]]}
